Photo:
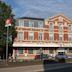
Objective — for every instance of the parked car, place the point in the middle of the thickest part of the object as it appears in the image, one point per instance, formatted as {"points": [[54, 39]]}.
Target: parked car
{"points": [[69, 57], [61, 55]]}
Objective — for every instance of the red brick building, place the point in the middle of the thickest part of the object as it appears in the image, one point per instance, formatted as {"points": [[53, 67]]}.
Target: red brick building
{"points": [[48, 36]]}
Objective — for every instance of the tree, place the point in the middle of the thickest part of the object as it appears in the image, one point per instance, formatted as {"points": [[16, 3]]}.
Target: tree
{"points": [[5, 13]]}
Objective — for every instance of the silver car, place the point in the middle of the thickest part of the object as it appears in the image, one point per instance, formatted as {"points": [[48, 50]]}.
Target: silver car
{"points": [[61, 55]]}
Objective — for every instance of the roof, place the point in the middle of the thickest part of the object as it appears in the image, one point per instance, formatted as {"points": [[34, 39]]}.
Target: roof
{"points": [[52, 18], [31, 18]]}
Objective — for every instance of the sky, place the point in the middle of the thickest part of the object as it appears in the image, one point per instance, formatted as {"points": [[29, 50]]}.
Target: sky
{"points": [[40, 8]]}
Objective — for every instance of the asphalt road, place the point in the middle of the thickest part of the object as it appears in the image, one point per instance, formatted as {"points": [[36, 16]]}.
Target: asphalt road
{"points": [[61, 67], [67, 69]]}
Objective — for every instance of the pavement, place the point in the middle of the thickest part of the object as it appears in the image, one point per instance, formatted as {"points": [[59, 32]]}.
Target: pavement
{"points": [[39, 68]]}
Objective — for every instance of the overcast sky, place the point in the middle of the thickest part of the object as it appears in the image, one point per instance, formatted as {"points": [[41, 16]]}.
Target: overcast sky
{"points": [[41, 8]]}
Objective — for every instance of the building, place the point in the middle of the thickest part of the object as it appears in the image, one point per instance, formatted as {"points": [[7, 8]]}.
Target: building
{"points": [[36, 36]]}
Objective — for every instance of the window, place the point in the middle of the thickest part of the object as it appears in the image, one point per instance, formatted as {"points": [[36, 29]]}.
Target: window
{"points": [[60, 37], [30, 51], [31, 24], [35, 23], [51, 51], [31, 35], [26, 23], [40, 24], [40, 36], [60, 27], [70, 50], [51, 36], [69, 37], [51, 26], [16, 24], [20, 36], [21, 22], [20, 50], [69, 28]]}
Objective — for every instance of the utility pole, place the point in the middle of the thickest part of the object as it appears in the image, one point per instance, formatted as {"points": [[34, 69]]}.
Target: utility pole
{"points": [[8, 23]]}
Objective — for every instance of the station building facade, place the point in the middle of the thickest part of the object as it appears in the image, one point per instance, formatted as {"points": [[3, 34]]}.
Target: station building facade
{"points": [[37, 35]]}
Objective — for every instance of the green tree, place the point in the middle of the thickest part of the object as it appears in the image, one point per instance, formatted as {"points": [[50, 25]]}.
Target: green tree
{"points": [[5, 13]]}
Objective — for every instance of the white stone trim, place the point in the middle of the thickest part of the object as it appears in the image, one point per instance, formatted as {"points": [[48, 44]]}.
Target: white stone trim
{"points": [[22, 44]]}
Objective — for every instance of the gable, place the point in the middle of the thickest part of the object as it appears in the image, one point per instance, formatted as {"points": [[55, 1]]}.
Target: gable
{"points": [[59, 18]]}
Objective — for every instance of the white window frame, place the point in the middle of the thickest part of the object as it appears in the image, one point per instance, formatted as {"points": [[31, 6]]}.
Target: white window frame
{"points": [[69, 37], [21, 37], [51, 35], [31, 23], [21, 22], [40, 24], [61, 35], [51, 26], [31, 35], [39, 36], [60, 25], [69, 28]]}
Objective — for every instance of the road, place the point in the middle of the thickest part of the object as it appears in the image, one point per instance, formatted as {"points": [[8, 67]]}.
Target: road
{"points": [[61, 67], [67, 69]]}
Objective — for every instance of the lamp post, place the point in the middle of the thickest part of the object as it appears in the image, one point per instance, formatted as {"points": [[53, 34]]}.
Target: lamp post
{"points": [[7, 45], [8, 23]]}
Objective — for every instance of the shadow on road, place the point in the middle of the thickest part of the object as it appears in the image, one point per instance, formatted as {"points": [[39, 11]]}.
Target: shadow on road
{"points": [[46, 62]]}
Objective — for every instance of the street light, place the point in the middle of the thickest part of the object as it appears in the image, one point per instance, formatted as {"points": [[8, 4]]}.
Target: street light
{"points": [[7, 24]]}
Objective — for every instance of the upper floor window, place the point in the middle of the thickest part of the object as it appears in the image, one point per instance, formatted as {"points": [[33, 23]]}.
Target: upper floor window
{"points": [[31, 35], [40, 24], [21, 22], [51, 26], [69, 37], [40, 35], [20, 36], [69, 28], [60, 37], [35, 23], [51, 36], [31, 24], [16, 23], [60, 27], [26, 23]]}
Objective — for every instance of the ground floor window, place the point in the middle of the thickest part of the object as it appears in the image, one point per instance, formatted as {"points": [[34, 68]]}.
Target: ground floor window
{"points": [[51, 51], [20, 50], [70, 50], [30, 51]]}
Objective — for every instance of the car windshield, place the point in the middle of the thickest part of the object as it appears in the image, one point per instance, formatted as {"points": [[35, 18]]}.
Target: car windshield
{"points": [[61, 53]]}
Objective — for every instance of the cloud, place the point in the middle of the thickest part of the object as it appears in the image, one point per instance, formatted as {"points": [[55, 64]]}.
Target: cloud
{"points": [[41, 8]]}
